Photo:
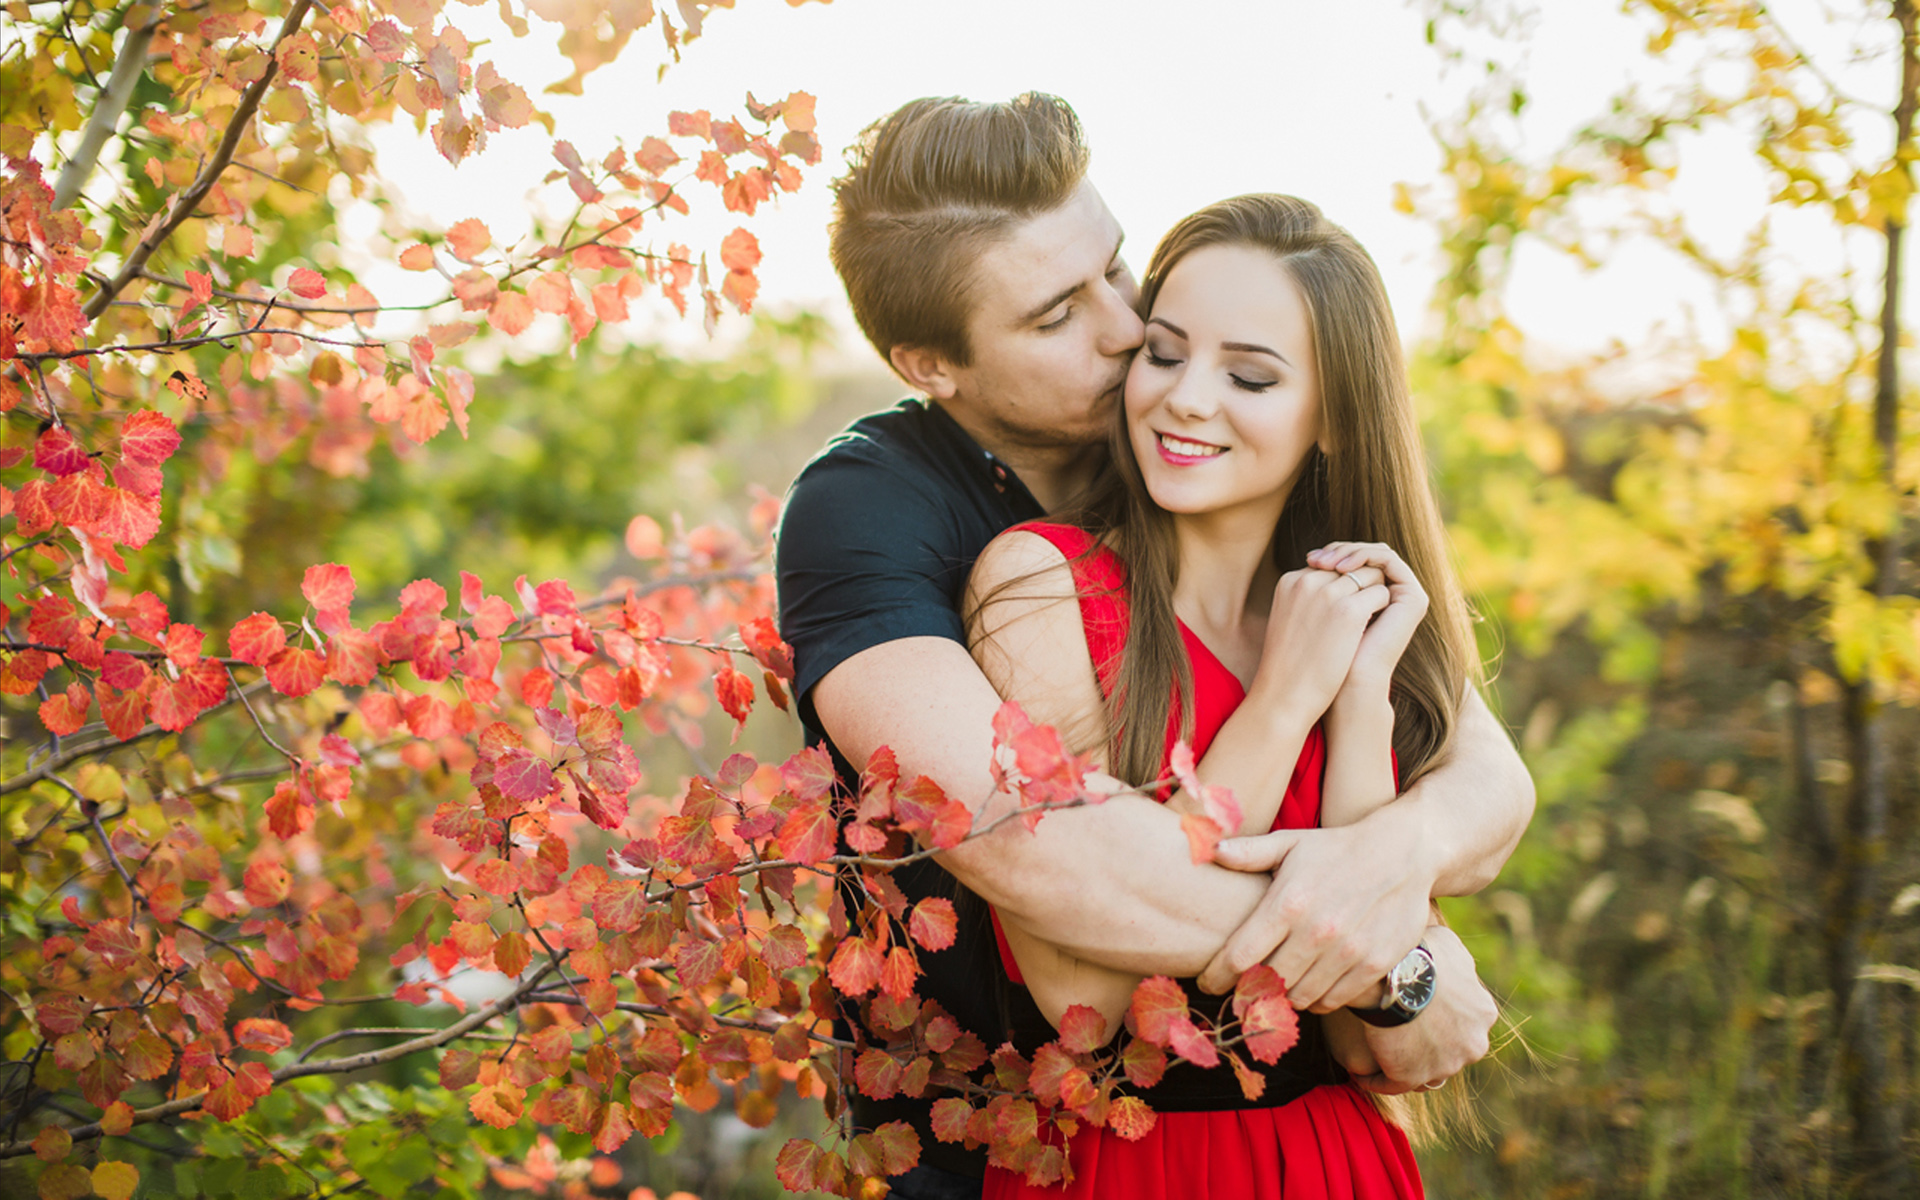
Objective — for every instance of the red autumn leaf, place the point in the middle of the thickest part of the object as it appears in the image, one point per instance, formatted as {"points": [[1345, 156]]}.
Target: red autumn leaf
{"points": [[353, 658], [785, 948], [898, 973], [804, 1167], [459, 1068], [899, 1147], [740, 251], [697, 963], [1189, 1043], [307, 284], [289, 813], [690, 124], [147, 1056], [934, 923], [950, 1118], [511, 954], [295, 671], [511, 313], [808, 834], [1143, 1062], [1202, 836], [256, 639], [620, 905], [498, 876], [797, 112], [1217, 803], [125, 517], [125, 712], [763, 640], [267, 883], [182, 645], [1157, 1003], [328, 586], [262, 1035], [149, 437], [65, 712], [468, 239], [855, 968], [808, 774], [386, 41], [1050, 1066], [57, 453], [498, 1106], [739, 289], [1082, 1030], [735, 692], [522, 776], [1130, 1118]]}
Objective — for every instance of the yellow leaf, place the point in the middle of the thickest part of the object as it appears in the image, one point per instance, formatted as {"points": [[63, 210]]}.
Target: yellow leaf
{"points": [[116, 1180]]}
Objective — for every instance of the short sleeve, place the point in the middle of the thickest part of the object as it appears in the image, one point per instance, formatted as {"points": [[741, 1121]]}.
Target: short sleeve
{"points": [[864, 556]]}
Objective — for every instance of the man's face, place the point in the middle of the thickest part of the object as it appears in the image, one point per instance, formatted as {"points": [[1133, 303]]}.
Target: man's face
{"points": [[1052, 330]]}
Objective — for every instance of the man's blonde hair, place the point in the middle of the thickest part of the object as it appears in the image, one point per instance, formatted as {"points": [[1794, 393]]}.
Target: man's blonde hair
{"points": [[930, 186]]}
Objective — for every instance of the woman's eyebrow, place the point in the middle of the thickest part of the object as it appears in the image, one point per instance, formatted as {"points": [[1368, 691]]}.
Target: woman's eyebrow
{"points": [[1247, 347], [1253, 348]]}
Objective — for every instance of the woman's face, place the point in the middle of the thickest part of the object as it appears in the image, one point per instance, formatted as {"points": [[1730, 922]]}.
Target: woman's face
{"points": [[1223, 400]]}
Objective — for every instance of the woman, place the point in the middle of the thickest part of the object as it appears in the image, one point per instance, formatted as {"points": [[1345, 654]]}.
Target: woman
{"points": [[1229, 580]]}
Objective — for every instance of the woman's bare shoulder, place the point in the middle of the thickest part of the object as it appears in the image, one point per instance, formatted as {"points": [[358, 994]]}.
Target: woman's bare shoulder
{"points": [[1025, 631]]}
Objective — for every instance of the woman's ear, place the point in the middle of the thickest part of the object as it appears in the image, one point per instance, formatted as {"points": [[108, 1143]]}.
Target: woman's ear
{"points": [[924, 370]]}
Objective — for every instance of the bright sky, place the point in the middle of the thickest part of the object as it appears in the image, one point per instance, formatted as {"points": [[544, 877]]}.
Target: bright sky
{"points": [[1183, 104]]}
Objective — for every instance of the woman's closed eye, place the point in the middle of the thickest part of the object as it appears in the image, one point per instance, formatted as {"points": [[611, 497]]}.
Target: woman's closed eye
{"points": [[1252, 385], [1160, 360]]}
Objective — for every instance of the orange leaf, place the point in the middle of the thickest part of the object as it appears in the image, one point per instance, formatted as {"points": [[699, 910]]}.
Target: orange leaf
{"points": [[307, 283], [511, 314], [467, 239]]}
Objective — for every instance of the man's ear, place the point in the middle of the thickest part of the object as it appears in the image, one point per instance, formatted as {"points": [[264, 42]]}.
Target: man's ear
{"points": [[925, 370]]}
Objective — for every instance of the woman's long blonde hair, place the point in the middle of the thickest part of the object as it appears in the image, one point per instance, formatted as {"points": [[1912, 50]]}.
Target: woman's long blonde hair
{"points": [[1371, 486]]}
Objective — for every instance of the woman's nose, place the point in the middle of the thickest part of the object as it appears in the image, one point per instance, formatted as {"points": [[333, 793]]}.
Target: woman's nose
{"points": [[1190, 399]]}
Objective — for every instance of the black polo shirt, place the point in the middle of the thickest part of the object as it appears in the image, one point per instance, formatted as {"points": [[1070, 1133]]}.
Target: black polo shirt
{"points": [[875, 544]]}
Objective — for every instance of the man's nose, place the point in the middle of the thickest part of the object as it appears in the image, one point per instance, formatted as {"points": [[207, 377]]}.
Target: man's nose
{"points": [[1121, 330]]}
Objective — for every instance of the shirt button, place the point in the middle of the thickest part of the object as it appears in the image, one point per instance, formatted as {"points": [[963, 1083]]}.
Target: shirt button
{"points": [[1000, 472]]}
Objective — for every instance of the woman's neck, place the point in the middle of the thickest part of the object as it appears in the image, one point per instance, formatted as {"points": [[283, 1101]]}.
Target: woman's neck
{"points": [[1226, 582]]}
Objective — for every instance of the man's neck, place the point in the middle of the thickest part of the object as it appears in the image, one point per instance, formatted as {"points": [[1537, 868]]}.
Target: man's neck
{"points": [[1054, 473]]}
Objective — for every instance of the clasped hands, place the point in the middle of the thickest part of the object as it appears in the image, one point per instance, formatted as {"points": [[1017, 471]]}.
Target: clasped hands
{"points": [[1348, 902]]}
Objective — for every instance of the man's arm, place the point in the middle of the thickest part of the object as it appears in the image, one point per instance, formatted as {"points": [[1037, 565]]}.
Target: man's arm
{"points": [[1158, 913], [1346, 904]]}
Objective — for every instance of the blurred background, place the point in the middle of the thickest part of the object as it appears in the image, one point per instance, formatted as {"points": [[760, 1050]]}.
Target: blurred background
{"points": [[1638, 255]]}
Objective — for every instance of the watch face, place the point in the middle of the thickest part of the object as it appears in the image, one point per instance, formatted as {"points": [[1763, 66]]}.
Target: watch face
{"points": [[1412, 982]]}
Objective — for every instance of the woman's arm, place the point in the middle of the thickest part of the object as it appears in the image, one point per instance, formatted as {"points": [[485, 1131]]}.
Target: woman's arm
{"points": [[1026, 633]]}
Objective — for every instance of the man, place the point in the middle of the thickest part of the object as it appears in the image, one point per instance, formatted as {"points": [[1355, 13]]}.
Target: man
{"points": [[987, 271]]}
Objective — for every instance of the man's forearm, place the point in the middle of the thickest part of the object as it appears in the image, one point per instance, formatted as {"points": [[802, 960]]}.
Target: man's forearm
{"points": [[1114, 884], [1469, 812]]}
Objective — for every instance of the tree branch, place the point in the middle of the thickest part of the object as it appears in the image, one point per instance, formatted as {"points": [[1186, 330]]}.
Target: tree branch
{"points": [[184, 203], [331, 1066], [107, 108]]}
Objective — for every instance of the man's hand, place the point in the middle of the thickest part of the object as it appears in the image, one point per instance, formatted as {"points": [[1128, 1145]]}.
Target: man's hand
{"points": [[1345, 905], [1450, 1034]]}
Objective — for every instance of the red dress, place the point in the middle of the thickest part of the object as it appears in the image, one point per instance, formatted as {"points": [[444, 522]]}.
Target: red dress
{"points": [[1331, 1143]]}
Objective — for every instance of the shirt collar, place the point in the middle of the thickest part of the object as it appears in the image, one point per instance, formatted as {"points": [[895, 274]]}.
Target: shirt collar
{"points": [[991, 470]]}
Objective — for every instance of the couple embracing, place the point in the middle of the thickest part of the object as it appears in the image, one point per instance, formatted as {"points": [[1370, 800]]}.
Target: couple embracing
{"points": [[1193, 508]]}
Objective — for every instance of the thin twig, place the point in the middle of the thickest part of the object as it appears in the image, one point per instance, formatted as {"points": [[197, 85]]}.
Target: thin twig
{"points": [[331, 1066], [184, 204]]}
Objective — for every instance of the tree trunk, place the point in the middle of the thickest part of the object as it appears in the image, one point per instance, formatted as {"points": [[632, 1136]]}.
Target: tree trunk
{"points": [[1881, 1167]]}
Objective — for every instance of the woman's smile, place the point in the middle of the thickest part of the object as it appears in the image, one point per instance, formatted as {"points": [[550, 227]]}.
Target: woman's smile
{"points": [[1182, 452]]}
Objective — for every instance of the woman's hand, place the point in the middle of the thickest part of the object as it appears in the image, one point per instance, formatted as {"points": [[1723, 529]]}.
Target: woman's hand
{"points": [[1387, 638], [1317, 624]]}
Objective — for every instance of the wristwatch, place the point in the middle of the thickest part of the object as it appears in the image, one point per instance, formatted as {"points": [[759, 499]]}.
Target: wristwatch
{"points": [[1410, 988]]}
